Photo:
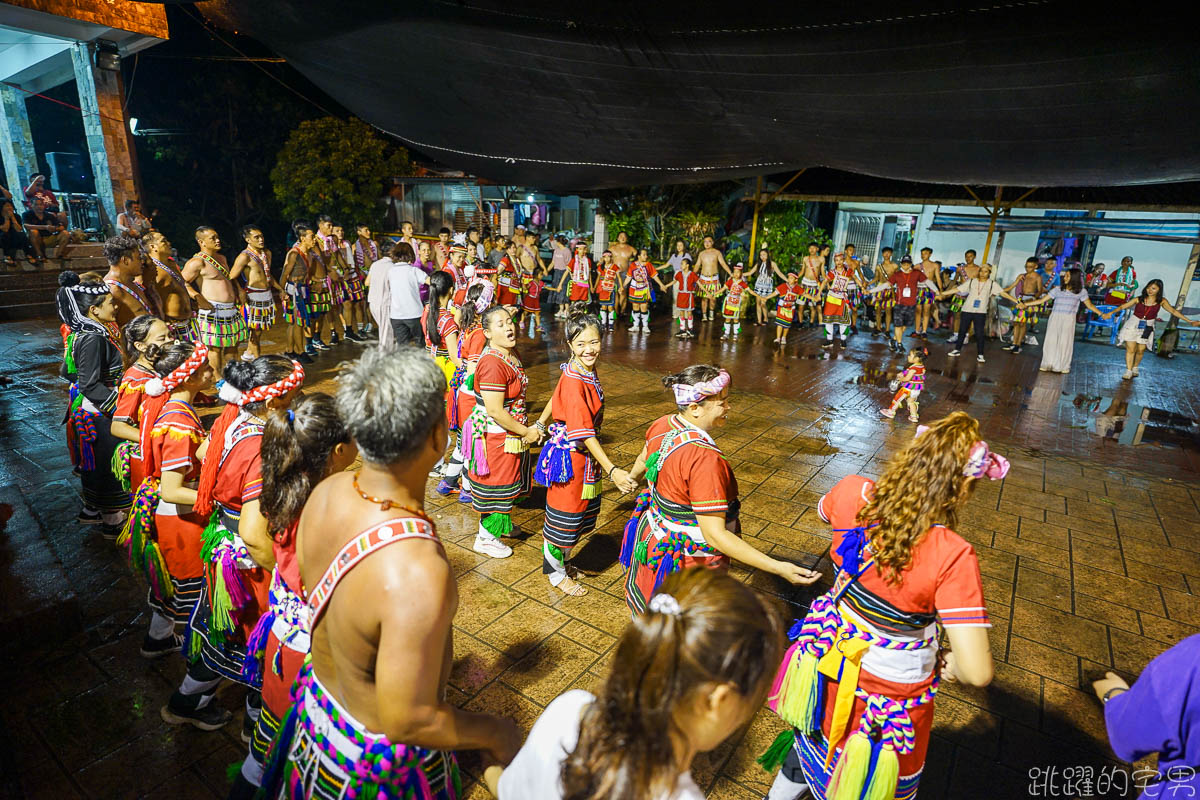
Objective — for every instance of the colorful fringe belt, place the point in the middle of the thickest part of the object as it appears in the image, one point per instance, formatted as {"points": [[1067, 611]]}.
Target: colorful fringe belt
{"points": [[83, 423], [669, 550], [224, 556], [554, 465], [140, 538], [286, 607]]}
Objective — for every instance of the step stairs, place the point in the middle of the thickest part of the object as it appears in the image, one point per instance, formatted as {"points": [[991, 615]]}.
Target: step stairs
{"points": [[27, 292]]}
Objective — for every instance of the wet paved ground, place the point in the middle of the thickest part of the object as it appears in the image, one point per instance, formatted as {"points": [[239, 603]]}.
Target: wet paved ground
{"points": [[1072, 546]]}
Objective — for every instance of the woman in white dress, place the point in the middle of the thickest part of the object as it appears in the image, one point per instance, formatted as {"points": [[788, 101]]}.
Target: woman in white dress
{"points": [[1137, 332], [1059, 346]]}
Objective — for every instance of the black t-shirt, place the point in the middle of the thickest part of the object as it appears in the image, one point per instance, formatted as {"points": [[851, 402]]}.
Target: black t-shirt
{"points": [[30, 217]]}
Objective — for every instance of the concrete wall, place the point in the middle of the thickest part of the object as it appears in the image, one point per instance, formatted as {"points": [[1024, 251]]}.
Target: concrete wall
{"points": [[1164, 260]]}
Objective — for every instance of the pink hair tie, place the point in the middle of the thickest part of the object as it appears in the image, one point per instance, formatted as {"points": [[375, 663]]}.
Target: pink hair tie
{"points": [[688, 393], [982, 462]]}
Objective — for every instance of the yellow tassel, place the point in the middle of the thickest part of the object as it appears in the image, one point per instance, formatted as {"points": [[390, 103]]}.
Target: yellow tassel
{"points": [[514, 445], [177, 433], [885, 777], [851, 771], [590, 490], [797, 693]]}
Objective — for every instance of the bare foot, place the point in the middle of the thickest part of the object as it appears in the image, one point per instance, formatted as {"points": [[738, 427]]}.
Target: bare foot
{"points": [[570, 586]]}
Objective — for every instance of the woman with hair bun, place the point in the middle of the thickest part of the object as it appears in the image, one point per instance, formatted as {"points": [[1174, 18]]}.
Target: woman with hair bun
{"points": [[93, 359], [686, 674], [459, 400], [145, 336], [238, 549], [858, 684], [688, 514], [300, 447], [573, 461]]}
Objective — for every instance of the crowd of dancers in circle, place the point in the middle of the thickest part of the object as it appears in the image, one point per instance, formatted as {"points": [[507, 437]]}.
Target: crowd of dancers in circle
{"points": [[327, 594]]}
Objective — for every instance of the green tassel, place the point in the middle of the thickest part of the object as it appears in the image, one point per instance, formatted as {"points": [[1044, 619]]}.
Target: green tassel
{"points": [[470, 382], [222, 607], [214, 534], [797, 693], [232, 771], [497, 524], [194, 647], [652, 467], [69, 355], [885, 777], [555, 551], [774, 756], [120, 464], [641, 552]]}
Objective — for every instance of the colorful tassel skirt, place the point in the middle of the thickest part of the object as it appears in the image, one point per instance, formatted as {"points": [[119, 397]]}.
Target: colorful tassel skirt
{"points": [[221, 326], [260, 309]]}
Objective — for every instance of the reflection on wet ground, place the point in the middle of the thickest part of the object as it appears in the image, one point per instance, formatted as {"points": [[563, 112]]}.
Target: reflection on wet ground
{"points": [[1089, 550]]}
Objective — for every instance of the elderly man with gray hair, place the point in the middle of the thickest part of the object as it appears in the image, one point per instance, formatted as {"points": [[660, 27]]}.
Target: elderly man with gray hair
{"points": [[371, 708]]}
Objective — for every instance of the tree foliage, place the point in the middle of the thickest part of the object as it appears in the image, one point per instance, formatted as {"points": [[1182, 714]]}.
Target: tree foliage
{"points": [[336, 167], [658, 212], [784, 229]]}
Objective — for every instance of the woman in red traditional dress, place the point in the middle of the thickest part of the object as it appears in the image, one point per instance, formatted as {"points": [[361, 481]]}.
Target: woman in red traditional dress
{"points": [[300, 447], [689, 514], [145, 336], [573, 461], [238, 549], [460, 400], [496, 437], [439, 325]]}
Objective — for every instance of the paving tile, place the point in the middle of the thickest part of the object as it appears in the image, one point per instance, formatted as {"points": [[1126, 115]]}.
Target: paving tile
{"points": [[543, 674], [1126, 591], [1131, 652], [1167, 630], [1107, 613], [1061, 631], [1041, 587], [1093, 554], [1073, 715], [481, 601]]}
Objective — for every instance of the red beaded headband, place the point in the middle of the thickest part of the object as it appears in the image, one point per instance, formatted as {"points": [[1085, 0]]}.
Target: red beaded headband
{"points": [[265, 392], [175, 378]]}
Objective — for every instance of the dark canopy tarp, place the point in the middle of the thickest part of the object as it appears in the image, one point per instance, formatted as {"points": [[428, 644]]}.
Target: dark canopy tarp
{"points": [[571, 95]]}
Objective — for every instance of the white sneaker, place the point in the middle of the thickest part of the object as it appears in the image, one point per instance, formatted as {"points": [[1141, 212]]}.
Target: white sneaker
{"points": [[1135, 372], [491, 547], [633, 328], [1127, 375], [980, 359], [953, 353], [645, 329]]}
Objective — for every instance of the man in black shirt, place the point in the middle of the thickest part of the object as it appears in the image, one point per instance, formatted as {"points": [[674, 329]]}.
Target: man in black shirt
{"points": [[45, 230]]}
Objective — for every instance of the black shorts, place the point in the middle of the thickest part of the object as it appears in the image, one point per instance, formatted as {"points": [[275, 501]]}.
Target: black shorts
{"points": [[903, 316]]}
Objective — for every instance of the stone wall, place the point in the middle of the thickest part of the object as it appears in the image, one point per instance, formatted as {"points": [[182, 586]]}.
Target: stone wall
{"points": [[144, 18]]}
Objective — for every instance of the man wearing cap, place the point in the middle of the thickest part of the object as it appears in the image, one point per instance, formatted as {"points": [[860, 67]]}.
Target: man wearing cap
{"points": [[908, 283]]}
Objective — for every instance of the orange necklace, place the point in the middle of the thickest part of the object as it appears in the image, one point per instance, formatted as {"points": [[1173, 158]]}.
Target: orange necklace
{"points": [[387, 503]]}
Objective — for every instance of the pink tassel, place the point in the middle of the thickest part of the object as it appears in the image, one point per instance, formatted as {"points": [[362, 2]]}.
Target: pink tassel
{"points": [[239, 596]]}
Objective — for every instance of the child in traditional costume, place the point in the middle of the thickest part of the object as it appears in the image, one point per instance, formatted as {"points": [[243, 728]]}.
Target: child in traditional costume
{"points": [[495, 438], [858, 685], [572, 460], [460, 400], [300, 447], [735, 300], [237, 549], [835, 315], [789, 295], [531, 303], [908, 385], [608, 276], [637, 286], [145, 336], [92, 363], [686, 282], [688, 516]]}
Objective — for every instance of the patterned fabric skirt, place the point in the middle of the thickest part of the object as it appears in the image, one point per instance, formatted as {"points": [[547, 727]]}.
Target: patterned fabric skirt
{"points": [[641, 578], [182, 330], [1025, 316], [708, 287], [323, 753], [507, 481], [185, 594], [580, 292], [337, 292], [221, 326], [260, 309], [102, 490], [569, 515], [354, 286], [784, 315], [320, 298], [732, 312], [295, 305]]}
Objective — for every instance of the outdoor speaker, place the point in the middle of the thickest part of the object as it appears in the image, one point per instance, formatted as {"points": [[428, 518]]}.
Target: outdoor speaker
{"points": [[68, 172]]}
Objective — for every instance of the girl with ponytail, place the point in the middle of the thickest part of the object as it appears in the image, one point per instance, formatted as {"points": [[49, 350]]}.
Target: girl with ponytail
{"points": [[146, 337], [687, 673], [459, 399], [300, 447], [902, 574], [238, 550], [439, 326]]}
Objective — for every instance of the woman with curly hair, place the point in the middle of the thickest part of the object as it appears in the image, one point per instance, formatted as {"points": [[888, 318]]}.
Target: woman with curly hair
{"points": [[861, 712]]}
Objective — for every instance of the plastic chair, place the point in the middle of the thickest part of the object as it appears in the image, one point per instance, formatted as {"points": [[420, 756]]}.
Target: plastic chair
{"points": [[1094, 323]]}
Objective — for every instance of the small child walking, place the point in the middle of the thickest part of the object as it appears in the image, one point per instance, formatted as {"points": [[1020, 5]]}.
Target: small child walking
{"points": [[908, 385], [531, 303]]}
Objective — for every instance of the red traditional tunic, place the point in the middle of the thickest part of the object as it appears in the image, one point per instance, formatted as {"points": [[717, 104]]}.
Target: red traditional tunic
{"points": [[473, 343], [130, 394], [578, 405], [239, 481], [507, 476], [942, 584], [640, 273], [735, 291], [785, 310], [532, 301], [685, 290], [446, 326], [581, 279], [692, 479], [508, 283], [606, 283], [289, 657], [175, 437]]}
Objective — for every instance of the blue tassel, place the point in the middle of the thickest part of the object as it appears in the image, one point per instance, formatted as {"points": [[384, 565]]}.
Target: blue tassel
{"points": [[256, 649], [666, 566], [794, 632], [850, 549], [554, 466], [876, 748], [629, 541]]}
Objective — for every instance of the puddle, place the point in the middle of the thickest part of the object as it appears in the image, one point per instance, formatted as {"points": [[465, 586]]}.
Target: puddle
{"points": [[1132, 424]]}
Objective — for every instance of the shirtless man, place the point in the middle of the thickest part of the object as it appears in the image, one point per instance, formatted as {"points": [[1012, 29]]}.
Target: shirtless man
{"points": [[320, 288], [709, 264], [296, 265], [810, 282], [335, 267], [131, 298], [1027, 287], [926, 307], [858, 280], [887, 300], [441, 248], [221, 327], [623, 254], [177, 298], [383, 601], [254, 264]]}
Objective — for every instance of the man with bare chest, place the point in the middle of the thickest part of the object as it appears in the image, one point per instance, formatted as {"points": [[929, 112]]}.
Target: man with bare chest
{"points": [[623, 254], [254, 266], [709, 264], [177, 298], [382, 605], [131, 298], [926, 307], [810, 283], [220, 327]]}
